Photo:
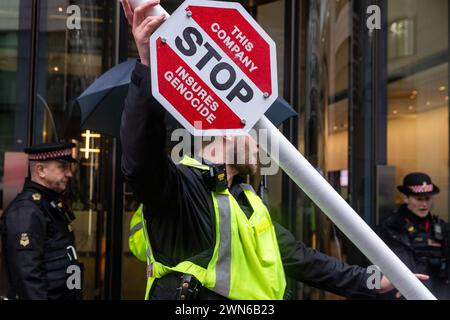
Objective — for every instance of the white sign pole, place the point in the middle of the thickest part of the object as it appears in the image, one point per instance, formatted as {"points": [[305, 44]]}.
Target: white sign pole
{"points": [[339, 211]]}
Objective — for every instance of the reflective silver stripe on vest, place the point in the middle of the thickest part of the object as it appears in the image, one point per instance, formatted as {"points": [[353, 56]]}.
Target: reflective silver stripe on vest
{"points": [[247, 187], [147, 240], [223, 266], [135, 228], [149, 254]]}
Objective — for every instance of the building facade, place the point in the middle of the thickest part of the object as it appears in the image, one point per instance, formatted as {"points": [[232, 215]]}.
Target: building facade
{"points": [[372, 106]]}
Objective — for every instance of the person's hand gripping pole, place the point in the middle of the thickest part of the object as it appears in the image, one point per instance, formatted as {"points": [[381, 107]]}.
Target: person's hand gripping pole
{"points": [[142, 26]]}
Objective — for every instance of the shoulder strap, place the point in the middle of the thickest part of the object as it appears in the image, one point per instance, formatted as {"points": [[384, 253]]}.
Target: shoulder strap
{"points": [[248, 187], [193, 163], [25, 196]]}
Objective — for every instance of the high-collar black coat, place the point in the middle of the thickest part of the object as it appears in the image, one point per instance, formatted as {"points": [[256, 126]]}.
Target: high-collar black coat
{"points": [[36, 238], [393, 231]]}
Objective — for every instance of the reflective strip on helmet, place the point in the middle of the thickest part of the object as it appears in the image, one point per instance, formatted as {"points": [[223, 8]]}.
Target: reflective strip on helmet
{"points": [[223, 267]]}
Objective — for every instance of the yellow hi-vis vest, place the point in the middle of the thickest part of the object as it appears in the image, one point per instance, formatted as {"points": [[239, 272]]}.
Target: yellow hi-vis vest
{"points": [[246, 262]]}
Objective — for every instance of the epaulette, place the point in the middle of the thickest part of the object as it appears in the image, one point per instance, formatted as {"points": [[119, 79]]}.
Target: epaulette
{"points": [[36, 196], [27, 196]]}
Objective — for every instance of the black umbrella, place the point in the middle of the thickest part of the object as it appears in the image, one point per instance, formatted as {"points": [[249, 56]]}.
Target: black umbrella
{"points": [[101, 104], [280, 111]]}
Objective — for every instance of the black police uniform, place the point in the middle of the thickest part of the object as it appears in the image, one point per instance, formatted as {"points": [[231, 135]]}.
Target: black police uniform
{"points": [[39, 243], [421, 243]]}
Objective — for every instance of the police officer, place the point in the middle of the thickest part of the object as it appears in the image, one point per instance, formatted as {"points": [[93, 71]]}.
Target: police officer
{"points": [[39, 241], [418, 237], [207, 234]]}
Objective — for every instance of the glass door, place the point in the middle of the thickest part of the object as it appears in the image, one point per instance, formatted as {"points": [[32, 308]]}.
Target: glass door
{"points": [[418, 107]]}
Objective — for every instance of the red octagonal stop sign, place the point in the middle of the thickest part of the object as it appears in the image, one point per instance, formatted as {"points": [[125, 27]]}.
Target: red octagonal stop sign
{"points": [[213, 68]]}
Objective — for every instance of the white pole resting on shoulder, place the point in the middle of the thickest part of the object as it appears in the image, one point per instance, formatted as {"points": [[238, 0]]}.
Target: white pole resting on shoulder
{"points": [[339, 211]]}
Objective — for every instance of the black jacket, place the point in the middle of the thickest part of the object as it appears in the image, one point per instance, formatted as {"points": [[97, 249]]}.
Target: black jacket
{"points": [[394, 232], [179, 211], [36, 237]]}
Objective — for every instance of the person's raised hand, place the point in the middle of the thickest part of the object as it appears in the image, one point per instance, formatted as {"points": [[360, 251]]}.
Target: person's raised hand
{"points": [[142, 26]]}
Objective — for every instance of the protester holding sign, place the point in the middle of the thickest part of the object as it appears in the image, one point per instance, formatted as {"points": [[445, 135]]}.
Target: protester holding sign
{"points": [[209, 236]]}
